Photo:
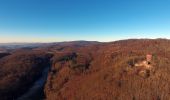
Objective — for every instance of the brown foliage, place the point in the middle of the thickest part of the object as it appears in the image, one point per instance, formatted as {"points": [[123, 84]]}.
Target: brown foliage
{"points": [[107, 72]]}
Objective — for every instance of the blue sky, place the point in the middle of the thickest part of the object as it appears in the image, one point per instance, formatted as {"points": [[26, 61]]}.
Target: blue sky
{"points": [[97, 20]]}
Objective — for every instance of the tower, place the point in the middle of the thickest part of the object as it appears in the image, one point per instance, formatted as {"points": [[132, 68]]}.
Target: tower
{"points": [[148, 58]]}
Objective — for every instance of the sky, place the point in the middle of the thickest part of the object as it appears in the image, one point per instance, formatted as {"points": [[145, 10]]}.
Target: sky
{"points": [[92, 20]]}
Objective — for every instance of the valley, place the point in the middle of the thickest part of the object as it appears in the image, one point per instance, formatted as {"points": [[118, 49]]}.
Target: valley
{"points": [[87, 70]]}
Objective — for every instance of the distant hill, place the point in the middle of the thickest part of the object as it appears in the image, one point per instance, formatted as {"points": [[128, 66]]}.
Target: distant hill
{"points": [[23, 45], [19, 45]]}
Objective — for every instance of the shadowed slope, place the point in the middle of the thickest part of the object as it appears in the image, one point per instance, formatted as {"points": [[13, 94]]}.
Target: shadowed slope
{"points": [[18, 71]]}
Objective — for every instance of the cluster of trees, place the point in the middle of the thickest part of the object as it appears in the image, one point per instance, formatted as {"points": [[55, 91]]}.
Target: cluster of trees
{"points": [[4, 54]]}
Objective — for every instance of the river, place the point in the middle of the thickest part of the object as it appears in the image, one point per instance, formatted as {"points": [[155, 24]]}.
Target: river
{"points": [[36, 92]]}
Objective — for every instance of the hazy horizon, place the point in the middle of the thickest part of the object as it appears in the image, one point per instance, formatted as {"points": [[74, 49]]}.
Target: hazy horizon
{"points": [[33, 42], [91, 20]]}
